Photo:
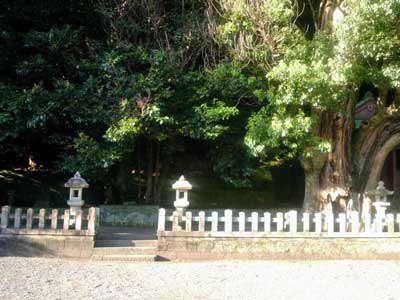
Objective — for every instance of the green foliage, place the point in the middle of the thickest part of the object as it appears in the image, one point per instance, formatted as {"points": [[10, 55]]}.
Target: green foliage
{"points": [[257, 31], [104, 86], [308, 77], [92, 157], [369, 38]]}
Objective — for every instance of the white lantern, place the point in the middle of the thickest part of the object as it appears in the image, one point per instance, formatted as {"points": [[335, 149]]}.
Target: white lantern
{"points": [[381, 203], [182, 186], [76, 184]]}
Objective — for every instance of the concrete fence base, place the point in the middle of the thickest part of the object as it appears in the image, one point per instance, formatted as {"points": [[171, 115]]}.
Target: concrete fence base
{"points": [[46, 246], [184, 248]]}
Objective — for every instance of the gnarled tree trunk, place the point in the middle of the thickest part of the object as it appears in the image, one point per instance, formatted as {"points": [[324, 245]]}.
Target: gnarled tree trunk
{"points": [[332, 171]]}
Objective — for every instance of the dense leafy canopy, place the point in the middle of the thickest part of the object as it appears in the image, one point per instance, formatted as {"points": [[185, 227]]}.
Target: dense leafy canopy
{"points": [[117, 89]]}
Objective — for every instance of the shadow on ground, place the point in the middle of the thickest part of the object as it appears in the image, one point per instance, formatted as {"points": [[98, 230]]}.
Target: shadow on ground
{"points": [[12, 246]]}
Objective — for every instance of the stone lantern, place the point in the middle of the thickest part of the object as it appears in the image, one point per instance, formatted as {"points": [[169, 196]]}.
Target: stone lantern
{"points": [[182, 186], [381, 203], [76, 184]]}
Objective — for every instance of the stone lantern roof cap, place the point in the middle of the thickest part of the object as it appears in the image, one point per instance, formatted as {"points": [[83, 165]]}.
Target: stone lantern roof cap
{"points": [[182, 184], [76, 182]]}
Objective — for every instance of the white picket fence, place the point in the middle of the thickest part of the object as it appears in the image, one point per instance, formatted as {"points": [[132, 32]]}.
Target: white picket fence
{"points": [[290, 223], [26, 221]]}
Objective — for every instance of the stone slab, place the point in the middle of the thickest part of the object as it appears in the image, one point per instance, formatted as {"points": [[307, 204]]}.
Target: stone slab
{"points": [[183, 248]]}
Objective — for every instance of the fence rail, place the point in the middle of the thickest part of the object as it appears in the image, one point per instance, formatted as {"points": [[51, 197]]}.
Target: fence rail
{"points": [[286, 224], [25, 221]]}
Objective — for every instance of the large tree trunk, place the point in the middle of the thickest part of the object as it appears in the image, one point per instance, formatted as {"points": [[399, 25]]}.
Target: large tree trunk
{"points": [[312, 168], [325, 173]]}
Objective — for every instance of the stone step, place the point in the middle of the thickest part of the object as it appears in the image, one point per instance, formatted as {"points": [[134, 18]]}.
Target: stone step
{"points": [[124, 250], [126, 243], [122, 257]]}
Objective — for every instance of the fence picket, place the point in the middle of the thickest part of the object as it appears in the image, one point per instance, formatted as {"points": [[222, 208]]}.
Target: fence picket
{"points": [[228, 220], [66, 220], [29, 218], [378, 224], [390, 222], [92, 220], [175, 221], [17, 218], [42, 220], [355, 222], [367, 223], [161, 219], [4, 217], [342, 222], [78, 220], [330, 222], [318, 222], [306, 222], [267, 222], [188, 224], [214, 221], [293, 221], [398, 221], [54, 220], [202, 221], [242, 221], [279, 222], [254, 221]]}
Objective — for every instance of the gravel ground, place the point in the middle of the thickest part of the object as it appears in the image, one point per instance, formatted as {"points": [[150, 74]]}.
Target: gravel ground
{"points": [[40, 278]]}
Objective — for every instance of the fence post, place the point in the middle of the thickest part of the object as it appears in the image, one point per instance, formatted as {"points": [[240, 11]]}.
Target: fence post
{"points": [[228, 220], [92, 220], [161, 220], [66, 219], [330, 221], [254, 221], [42, 220], [355, 222], [29, 218], [378, 224], [242, 221], [175, 221], [17, 218], [293, 221], [318, 222], [54, 220], [267, 222], [306, 222], [390, 222], [214, 221], [367, 223], [398, 222], [188, 225], [342, 222], [78, 220], [279, 222], [202, 221], [4, 217], [97, 216]]}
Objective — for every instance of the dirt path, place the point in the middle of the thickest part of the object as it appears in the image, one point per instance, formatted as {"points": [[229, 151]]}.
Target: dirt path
{"points": [[38, 278]]}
